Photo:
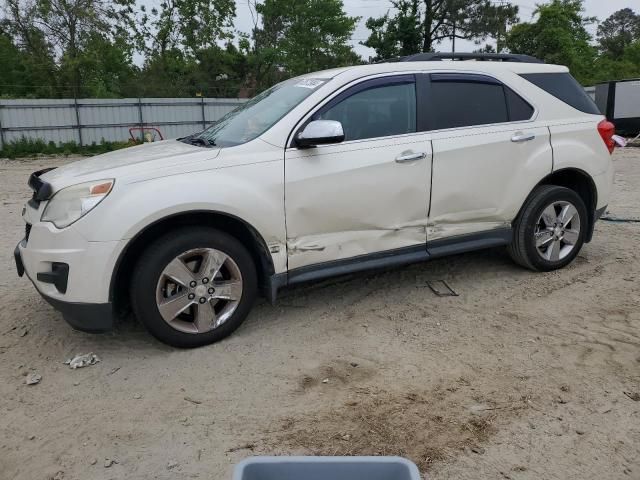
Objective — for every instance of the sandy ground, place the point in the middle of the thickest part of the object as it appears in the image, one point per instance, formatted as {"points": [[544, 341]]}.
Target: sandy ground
{"points": [[522, 376]]}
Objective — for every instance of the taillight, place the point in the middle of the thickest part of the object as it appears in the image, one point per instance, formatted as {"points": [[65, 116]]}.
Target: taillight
{"points": [[607, 130]]}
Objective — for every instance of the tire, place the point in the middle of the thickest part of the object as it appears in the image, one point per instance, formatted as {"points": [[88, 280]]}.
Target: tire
{"points": [[206, 309], [534, 234]]}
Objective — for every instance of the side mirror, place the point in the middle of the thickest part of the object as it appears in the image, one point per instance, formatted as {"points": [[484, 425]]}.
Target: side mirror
{"points": [[320, 132]]}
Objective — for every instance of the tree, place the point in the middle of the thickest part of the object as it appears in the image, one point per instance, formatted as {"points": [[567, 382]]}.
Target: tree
{"points": [[188, 25], [65, 27], [559, 35], [399, 35], [499, 20], [419, 25], [618, 32], [106, 67], [297, 37], [27, 66]]}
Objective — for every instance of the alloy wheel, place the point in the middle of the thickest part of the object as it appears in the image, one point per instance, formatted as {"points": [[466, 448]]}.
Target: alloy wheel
{"points": [[199, 290], [557, 231]]}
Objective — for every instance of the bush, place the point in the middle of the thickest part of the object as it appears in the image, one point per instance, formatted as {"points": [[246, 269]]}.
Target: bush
{"points": [[29, 147]]}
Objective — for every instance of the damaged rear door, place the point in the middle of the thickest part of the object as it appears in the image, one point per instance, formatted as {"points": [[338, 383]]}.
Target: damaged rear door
{"points": [[369, 193]]}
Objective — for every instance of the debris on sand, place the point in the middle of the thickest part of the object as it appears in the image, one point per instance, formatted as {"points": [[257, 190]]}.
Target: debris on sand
{"points": [[80, 361], [246, 446], [635, 396], [172, 464], [193, 400], [108, 462], [33, 379]]}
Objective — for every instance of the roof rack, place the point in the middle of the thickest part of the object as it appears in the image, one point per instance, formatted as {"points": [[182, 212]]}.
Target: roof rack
{"points": [[482, 57]]}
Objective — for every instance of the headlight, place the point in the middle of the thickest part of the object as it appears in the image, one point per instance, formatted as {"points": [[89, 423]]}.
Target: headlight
{"points": [[72, 203]]}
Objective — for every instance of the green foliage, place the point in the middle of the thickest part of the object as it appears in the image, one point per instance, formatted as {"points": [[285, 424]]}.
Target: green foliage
{"points": [[189, 25], [300, 37], [560, 36], [399, 35], [420, 25], [627, 66], [86, 48], [28, 147], [618, 32]]}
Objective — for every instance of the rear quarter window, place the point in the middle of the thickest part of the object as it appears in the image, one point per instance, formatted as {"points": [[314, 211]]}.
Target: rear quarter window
{"points": [[466, 100], [564, 87]]}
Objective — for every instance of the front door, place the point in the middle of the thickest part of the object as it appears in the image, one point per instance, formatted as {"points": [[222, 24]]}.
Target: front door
{"points": [[369, 193]]}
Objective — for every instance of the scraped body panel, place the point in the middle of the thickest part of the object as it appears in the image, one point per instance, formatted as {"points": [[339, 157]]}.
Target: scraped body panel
{"points": [[353, 198], [481, 178]]}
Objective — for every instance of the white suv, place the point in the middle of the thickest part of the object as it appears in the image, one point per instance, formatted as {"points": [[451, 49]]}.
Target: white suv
{"points": [[329, 173]]}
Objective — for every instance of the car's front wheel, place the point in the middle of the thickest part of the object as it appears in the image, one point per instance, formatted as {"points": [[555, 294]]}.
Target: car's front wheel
{"points": [[194, 286], [551, 229]]}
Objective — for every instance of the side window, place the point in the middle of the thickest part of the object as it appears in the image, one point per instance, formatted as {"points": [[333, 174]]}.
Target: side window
{"points": [[458, 102], [519, 109], [379, 111], [564, 87]]}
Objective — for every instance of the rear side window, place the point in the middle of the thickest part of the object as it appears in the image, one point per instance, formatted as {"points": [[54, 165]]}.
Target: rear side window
{"points": [[464, 104], [564, 87], [470, 100]]}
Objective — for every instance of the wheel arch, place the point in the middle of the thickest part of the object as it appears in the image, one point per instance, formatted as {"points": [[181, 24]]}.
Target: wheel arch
{"points": [[244, 232], [580, 182]]}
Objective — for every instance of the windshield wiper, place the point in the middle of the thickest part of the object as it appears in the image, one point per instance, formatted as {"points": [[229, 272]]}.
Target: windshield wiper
{"points": [[193, 139], [205, 142]]}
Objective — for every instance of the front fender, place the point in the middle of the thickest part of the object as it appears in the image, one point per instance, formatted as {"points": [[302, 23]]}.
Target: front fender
{"points": [[253, 193]]}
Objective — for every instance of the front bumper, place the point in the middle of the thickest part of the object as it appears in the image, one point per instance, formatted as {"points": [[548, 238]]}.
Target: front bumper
{"points": [[88, 317], [71, 273]]}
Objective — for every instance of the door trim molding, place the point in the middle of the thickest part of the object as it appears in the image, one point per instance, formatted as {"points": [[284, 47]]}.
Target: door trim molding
{"points": [[371, 261], [389, 258], [469, 242]]}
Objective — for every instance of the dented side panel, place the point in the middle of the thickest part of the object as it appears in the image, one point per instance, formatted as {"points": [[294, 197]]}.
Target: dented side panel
{"points": [[481, 178], [353, 198]]}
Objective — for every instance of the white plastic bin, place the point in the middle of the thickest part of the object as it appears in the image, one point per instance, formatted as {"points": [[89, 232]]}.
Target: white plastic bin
{"points": [[326, 468]]}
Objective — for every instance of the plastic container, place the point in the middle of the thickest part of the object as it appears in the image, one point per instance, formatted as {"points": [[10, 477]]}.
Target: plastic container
{"points": [[326, 468]]}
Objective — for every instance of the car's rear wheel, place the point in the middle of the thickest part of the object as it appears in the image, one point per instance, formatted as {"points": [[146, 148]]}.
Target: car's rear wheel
{"points": [[193, 286], [551, 229]]}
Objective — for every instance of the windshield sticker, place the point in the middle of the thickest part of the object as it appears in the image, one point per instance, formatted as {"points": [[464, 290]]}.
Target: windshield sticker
{"points": [[309, 83]]}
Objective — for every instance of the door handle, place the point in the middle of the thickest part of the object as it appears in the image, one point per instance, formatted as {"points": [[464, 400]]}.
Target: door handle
{"points": [[522, 137], [410, 157]]}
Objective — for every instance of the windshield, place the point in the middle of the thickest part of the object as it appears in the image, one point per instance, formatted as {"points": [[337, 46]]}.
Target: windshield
{"points": [[256, 116]]}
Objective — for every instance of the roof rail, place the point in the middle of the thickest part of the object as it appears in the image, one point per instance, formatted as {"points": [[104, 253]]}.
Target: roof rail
{"points": [[483, 57]]}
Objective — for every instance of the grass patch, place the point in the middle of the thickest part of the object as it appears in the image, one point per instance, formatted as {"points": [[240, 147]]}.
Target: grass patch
{"points": [[29, 147]]}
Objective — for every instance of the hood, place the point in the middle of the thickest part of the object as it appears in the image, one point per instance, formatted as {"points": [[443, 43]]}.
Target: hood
{"points": [[128, 161]]}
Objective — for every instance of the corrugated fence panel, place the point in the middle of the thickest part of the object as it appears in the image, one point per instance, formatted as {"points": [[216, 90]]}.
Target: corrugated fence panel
{"points": [[216, 108], [50, 120], [107, 119], [96, 120]]}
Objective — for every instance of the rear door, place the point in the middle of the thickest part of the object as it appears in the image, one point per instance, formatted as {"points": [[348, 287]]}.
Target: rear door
{"points": [[488, 153]]}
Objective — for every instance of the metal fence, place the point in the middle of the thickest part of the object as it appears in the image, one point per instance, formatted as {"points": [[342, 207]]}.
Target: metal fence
{"points": [[87, 121]]}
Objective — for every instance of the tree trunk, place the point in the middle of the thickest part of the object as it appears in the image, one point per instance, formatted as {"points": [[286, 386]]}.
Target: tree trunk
{"points": [[427, 43], [73, 55]]}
